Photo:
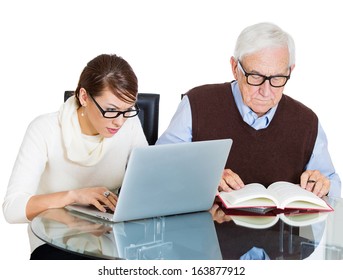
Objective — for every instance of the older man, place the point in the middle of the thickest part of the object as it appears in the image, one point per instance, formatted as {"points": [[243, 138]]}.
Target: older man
{"points": [[275, 137]]}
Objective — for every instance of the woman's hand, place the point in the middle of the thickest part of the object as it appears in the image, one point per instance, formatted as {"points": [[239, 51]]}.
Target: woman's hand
{"points": [[100, 197]]}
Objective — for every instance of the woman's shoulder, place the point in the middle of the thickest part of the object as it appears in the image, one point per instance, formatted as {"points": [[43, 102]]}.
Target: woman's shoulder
{"points": [[45, 122]]}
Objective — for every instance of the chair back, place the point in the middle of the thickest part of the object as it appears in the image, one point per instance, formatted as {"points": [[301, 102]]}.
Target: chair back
{"points": [[149, 104]]}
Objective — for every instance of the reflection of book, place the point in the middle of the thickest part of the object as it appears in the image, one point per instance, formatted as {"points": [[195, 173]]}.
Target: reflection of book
{"points": [[266, 221], [281, 195]]}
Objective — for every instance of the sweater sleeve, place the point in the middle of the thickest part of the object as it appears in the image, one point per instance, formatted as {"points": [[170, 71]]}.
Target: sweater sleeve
{"points": [[27, 171]]}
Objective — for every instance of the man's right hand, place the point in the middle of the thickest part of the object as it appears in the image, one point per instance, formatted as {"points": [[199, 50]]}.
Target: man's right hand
{"points": [[230, 181]]}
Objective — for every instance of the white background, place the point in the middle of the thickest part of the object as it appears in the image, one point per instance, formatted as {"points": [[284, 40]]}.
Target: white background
{"points": [[172, 46]]}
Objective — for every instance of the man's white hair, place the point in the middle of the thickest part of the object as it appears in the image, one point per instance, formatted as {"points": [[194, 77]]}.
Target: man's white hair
{"points": [[261, 36]]}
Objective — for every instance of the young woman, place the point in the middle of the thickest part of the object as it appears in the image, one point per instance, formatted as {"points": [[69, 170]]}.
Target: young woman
{"points": [[78, 154]]}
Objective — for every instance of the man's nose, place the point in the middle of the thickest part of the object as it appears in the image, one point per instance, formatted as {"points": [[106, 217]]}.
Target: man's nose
{"points": [[265, 88]]}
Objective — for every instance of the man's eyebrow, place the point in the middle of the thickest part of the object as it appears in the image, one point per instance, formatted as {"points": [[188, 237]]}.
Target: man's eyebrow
{"points": [[273, 75]]}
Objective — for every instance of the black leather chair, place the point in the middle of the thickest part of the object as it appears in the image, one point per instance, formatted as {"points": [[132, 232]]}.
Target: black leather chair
{"points": [[149, 104]]}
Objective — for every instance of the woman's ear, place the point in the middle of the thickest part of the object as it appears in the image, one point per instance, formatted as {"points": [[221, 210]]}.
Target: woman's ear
{"points": [[83, 97]]}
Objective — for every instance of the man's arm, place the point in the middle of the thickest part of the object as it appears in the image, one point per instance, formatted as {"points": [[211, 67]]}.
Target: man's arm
{"points": [[321, 160], [180, 127]]}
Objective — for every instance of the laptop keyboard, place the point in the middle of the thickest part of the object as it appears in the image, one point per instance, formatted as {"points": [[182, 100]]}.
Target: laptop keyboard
{"points": [[109, 210]]}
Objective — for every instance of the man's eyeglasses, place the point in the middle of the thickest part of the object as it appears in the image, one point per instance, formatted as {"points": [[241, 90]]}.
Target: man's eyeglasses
{"points": [[112, 114], [257, 79]]}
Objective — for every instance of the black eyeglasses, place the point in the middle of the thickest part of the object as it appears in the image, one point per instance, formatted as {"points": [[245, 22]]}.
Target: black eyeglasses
{"points": [[112, 114], [254, 79]]}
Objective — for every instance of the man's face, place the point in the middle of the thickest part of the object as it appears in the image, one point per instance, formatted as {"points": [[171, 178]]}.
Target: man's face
{"points": [[267, 62]]}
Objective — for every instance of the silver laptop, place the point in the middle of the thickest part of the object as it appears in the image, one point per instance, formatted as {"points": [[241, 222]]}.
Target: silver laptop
{"points": [[168, 179]]}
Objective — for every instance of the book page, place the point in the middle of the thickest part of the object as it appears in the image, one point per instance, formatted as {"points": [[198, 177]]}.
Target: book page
{"points": [[293, 196], [304, 219], [259, 222], [253, 195]]}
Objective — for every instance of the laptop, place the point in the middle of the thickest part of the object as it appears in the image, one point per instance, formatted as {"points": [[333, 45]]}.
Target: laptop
{"points": [[169, 179]]}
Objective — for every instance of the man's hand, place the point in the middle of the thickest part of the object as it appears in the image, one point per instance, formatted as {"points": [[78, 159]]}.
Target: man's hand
{"points": [[230, 181], [316, 182]]}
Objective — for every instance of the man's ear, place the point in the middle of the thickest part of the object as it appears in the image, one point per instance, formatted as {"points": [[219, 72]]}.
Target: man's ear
{"points": [[234, 67], [292, 67]]}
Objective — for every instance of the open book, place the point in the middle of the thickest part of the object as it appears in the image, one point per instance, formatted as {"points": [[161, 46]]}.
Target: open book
{"points": [[281, 195], [265, 221]]}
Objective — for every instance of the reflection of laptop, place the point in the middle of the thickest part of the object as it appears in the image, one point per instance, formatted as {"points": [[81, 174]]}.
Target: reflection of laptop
{"points": [[168, 179], [183, 237], [189, 236]]}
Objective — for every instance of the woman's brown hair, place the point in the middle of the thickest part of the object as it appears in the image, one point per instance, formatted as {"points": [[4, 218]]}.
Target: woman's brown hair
{"points": [[109, 72]]}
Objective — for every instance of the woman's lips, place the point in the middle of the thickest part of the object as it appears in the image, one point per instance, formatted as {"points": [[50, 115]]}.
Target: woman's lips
{"points": [[112, 130]]}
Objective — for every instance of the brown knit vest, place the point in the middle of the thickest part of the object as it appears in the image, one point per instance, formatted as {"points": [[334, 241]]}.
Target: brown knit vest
{"points": [[279, 152]]}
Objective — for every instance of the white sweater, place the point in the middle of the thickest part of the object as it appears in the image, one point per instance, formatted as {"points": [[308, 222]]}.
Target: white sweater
{"points": [[44, 166]]}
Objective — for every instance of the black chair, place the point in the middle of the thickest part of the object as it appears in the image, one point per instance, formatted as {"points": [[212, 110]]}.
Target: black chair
{"points": [[149, 104]]}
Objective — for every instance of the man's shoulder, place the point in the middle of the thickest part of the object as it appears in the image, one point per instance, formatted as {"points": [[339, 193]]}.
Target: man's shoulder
{"points": [[297, 111], [296, 105], [210, 88]]}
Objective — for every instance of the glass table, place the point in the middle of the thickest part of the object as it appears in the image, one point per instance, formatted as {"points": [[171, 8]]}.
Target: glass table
{"points": [[213, 234]]}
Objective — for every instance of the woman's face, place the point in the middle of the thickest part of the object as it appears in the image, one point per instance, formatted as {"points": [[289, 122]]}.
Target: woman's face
{"points": [[91, 119]]}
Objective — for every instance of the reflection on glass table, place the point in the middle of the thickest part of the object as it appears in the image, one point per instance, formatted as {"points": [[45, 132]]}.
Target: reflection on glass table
{"points": [[188, 236], [216, 234], [292, 235]]}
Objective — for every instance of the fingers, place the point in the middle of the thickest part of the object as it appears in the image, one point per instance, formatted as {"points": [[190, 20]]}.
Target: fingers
{"points": [[111, 197], [100, 197], [230, 181], [106, 198], [218, 215], [321, 187], [316, 182]]}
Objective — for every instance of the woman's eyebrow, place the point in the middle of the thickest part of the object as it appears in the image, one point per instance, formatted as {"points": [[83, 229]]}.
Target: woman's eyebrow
{"points": [[117, 108]]}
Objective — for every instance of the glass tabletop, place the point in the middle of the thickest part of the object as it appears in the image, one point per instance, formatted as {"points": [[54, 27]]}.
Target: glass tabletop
{"points": [[213, 234]]}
